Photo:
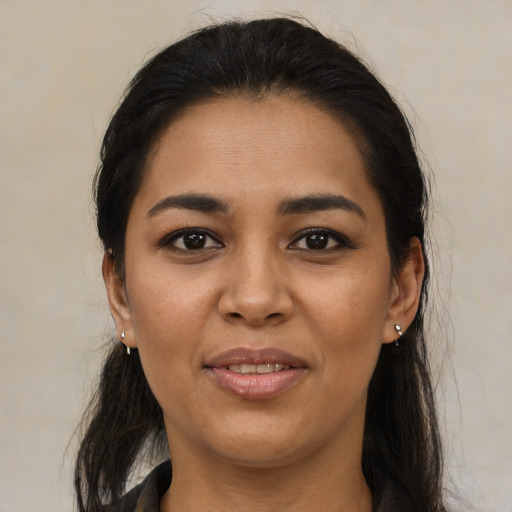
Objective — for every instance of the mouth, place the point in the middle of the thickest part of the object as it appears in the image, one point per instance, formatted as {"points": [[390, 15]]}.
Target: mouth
{"points": [[256, 374], [247, 360], [260, 369]]}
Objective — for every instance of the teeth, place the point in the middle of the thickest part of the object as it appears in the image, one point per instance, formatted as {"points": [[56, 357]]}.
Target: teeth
{"points": [[266, 368], [258, 368]]}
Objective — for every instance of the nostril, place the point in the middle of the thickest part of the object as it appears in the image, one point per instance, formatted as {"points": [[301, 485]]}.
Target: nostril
{"points": [[238, 315]]}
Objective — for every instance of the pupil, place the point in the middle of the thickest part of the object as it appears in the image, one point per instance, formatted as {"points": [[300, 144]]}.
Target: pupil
{"points": [[317, 241], [194, 241]]}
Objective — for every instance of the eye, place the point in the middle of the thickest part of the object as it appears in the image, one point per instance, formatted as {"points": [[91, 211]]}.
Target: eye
{"points": [[320, 240], [190, 239]]}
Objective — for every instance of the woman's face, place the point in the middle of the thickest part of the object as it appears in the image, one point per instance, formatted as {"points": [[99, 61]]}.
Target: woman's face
{"points": [[258, 287]]}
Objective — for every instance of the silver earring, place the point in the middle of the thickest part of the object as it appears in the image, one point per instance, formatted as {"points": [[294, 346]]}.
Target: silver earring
{"points": [[398, 329], [123, 336]]}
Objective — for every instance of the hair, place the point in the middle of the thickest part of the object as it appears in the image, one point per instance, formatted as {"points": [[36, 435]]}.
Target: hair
{"points": [[253, 59]]}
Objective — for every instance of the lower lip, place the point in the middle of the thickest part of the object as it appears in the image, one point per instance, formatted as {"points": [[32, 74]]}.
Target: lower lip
{"points": [[257, 386]]}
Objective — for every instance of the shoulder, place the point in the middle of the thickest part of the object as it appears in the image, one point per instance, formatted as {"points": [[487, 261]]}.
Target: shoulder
{"points": [[146, 496]]}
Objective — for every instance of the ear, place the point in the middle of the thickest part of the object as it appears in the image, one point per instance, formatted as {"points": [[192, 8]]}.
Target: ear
{"points": [[405, 292], [118, 301]]}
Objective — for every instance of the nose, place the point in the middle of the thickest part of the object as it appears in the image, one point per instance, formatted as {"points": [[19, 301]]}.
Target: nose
{"points": [[255, 291]]}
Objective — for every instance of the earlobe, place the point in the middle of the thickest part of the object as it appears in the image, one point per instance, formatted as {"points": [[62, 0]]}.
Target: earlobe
{"points": [[118, 301], [406, 291]]}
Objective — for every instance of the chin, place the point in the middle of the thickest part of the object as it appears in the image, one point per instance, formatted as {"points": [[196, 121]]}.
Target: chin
{"points": [[263, 445], [263, 455]]}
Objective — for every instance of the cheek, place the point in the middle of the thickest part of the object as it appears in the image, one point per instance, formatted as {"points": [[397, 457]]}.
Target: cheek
{"points": [[349, 322], [354, 304], [167, 306], [170, 313], [163, 325]]}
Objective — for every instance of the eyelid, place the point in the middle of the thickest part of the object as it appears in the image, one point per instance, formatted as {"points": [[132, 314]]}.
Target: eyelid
{"points": [[342, 241], [167, 240]]}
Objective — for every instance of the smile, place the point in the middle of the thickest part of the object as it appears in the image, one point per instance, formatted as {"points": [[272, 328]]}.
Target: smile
{"points": [[259, 374], [258, 368]]}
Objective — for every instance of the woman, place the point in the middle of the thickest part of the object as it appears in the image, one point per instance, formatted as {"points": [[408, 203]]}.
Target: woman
{"points": [[262, 211]]}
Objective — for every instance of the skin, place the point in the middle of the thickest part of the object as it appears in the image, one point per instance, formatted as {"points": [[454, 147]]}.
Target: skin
{"points": [[258, 283]]}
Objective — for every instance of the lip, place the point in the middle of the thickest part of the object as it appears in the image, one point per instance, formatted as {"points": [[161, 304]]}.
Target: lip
{"points": [[255, 386], [254, 356]]}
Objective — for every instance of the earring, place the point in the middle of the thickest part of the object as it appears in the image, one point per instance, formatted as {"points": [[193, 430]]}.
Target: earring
{"points": [[123, 336], [398, 329]]}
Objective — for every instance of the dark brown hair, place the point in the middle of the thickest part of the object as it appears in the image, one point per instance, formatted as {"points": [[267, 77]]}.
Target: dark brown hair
{"points": [[268, 56]]}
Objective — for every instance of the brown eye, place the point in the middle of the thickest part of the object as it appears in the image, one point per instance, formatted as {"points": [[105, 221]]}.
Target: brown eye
{"points": [[190, 240], [316, 241], [320, 240], [194, 241]]}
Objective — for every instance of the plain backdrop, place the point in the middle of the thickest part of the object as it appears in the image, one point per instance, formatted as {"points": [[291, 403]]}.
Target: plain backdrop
{"points": [[64, 65]]}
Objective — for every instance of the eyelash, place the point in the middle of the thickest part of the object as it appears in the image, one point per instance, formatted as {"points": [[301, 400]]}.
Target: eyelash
{"points": [[171, 239], [341, 241]]}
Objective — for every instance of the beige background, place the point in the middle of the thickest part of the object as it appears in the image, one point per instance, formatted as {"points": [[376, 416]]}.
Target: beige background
{"points": [[64, 64]]}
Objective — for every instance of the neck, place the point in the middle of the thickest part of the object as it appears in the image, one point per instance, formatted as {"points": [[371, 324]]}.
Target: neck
{"points": [[327, 483]]}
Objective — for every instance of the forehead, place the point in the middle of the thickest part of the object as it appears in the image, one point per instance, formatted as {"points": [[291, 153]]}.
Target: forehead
{"points": [[240, 147]]}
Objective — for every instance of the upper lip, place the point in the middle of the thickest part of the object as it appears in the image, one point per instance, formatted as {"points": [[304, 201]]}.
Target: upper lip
{"points": [[254, 356]]}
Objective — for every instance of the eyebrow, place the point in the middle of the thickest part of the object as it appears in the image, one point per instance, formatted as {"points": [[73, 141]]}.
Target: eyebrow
{"points": [[307, 204], [315, 203], [198, 202]]}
